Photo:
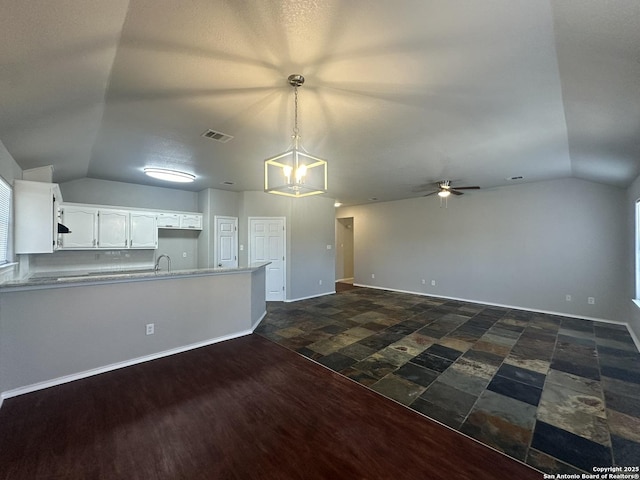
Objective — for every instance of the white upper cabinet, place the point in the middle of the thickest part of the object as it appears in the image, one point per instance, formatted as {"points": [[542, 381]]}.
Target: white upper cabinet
{"points": [[82, 222], [143, 230], [95, 227], [36, 216], [113, 229], [191, 221], [168, 220], [184, 221], [90, 226]]}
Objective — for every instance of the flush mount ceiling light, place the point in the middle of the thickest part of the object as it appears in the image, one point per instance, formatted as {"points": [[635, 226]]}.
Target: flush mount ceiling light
{"points": [[169, 175], [295, 173]]}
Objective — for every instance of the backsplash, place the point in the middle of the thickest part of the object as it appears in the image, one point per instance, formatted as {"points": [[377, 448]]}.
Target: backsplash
{"points": [[181, 245], [92, 261]]}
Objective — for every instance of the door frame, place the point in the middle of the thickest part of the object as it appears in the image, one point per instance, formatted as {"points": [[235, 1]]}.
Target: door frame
{"points": [[284, 249]]}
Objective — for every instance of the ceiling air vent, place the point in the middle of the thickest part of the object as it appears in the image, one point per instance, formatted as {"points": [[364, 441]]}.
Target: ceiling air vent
{"points": [[217, 136]]}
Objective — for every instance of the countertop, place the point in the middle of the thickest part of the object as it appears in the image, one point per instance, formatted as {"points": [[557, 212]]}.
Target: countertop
{"points": [[75, 278]]}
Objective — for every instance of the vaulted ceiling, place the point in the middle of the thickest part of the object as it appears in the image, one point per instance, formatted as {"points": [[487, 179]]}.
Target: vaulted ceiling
{"points": [[397, 94]]}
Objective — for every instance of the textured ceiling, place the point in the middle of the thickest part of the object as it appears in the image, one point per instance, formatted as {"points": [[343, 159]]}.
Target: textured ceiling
{"points": [[397, 94]]}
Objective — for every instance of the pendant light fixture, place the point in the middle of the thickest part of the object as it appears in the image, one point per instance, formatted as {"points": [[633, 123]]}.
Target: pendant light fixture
{"points": [[295, 173]]}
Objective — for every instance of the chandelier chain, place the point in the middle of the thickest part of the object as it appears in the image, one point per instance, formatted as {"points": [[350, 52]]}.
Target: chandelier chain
{"points": [[295, 118]]}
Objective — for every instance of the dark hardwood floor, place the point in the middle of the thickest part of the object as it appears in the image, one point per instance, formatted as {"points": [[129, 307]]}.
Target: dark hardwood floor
{"points": [[241, 409], [344, 287]]}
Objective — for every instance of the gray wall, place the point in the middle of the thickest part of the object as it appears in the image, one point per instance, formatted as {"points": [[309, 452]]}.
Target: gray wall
{"points": [[105, 192], [51, 333], [525, 245], [9, 169], [310, 228], [633, 195], [180, 245], [213, 202]]}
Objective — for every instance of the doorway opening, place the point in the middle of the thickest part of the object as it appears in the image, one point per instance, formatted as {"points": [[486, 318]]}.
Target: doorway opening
{"points": [[344, 253]]}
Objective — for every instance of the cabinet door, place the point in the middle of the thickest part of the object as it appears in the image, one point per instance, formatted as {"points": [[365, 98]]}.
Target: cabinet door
{"points": [[36, 222], [81, 222], [168, 220], [191, 221], [113, 229], [143, 230]]}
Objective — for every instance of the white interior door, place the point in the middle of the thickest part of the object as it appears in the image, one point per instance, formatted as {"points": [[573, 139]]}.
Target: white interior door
{"points": [[226, 242], [267, 244]]}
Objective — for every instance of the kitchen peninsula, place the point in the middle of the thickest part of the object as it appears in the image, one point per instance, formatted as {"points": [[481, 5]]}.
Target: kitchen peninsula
{"points": [[61, 328]]}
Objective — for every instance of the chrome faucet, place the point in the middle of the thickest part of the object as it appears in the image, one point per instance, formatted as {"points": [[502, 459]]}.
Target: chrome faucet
{"points": [[157, 267]]}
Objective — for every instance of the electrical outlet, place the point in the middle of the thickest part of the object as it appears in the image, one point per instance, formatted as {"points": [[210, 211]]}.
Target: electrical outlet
{"points": [[184, 254], [373, 275], [591, 300], [424, 281], [151, 327], [319, 282], [567, 298], [433, 283], [329, 247]]}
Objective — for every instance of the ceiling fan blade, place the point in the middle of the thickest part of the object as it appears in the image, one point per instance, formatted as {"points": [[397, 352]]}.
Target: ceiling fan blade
{"points": [[425, 187], [467, 188], [429, 194], [455, 192]]}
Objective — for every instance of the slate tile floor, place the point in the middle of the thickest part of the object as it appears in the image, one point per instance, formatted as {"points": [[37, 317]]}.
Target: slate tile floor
{"points": [[560, 394]]}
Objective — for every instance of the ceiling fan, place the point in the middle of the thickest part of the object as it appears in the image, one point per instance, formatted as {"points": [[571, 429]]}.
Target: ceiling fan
{"points": [[445, 189]]}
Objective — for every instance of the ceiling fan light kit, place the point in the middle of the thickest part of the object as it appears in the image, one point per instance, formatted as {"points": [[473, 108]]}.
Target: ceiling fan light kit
{"points": [[295, 172], [445, 190]]}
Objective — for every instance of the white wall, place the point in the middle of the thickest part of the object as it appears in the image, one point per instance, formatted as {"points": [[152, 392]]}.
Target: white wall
{"points": [[525, 245]]}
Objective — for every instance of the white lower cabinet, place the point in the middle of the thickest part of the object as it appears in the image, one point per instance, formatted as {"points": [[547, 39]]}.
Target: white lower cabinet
{"points": [[82, 222]]}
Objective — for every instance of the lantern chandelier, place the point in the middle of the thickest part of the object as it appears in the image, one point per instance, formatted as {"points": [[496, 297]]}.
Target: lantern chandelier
{"points": [[295, 173]]}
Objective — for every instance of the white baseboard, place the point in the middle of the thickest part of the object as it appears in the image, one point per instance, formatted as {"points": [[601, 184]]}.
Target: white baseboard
{"points": [[514, 307], [289, 300], [115, 366], [257, 322]]}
